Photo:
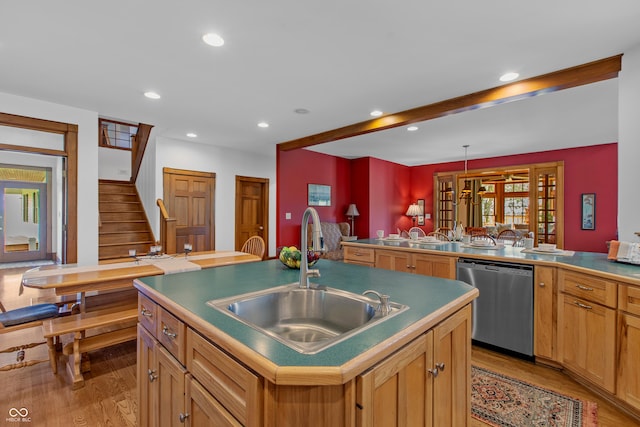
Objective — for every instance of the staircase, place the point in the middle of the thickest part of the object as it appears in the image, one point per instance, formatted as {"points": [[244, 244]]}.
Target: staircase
{"points": [[123, 222]]}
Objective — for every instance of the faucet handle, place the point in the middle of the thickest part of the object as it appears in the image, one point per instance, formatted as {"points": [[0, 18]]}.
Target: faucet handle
{"points": [[313, 272]]}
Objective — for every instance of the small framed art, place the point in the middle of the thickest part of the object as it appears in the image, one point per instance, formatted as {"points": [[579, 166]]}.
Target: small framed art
{"points": [[319, 195], [588, 211]]}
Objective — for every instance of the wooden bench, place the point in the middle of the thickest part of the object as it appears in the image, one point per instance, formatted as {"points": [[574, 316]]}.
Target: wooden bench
{"points": [[78, 324]]}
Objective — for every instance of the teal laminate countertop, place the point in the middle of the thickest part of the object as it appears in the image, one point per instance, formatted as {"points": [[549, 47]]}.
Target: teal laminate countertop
{"points": [[596, 263], [430, 300]]}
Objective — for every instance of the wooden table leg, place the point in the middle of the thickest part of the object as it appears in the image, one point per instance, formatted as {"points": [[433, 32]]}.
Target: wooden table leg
{"points": [[53, 354]]}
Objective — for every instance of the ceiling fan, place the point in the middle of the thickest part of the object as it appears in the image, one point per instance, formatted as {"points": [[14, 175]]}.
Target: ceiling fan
{"points": [[508, 178]]}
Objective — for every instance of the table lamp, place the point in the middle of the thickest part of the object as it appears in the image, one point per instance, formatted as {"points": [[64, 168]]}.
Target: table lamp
{"points": [[352, 212]]}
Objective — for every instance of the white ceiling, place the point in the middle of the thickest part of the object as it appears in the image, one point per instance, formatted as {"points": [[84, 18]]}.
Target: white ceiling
{"points": [[338, 59]]}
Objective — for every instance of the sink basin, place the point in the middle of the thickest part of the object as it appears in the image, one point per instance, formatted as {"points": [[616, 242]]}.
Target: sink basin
{"points": [[306, 320]]}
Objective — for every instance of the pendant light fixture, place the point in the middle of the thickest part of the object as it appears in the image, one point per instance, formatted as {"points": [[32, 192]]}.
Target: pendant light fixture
{"points": [[466, 194]]}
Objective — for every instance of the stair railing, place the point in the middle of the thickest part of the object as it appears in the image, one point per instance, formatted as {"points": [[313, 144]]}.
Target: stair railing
{"points": [[167, 229]]}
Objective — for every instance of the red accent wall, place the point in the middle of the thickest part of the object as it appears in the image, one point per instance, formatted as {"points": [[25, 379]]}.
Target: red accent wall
{"points": [[592, 169], [382, 190], [296, 169]]}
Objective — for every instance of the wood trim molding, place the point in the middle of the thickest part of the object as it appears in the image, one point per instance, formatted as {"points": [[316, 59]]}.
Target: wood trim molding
{"points": [[188, 172], [69, 253], [579, 75]]}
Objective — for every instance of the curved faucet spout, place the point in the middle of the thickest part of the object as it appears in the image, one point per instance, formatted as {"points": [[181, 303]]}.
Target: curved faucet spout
{"points": [[316, 245]]}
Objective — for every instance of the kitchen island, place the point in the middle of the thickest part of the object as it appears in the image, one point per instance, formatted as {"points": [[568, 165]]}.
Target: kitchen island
{"points": [[413, 366]]}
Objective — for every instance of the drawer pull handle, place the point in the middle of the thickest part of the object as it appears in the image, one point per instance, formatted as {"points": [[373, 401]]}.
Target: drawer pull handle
{"points": [[152, 376], [440, 366], [433, 371], [183, 417], [359, 254], [145, 312], [584, 288], [165, 330], [579, 304]]}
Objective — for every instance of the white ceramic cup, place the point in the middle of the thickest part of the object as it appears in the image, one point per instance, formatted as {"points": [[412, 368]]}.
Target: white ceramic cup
{"points": [[413, 235], [466, 238], [528, 242], [380, 234]]}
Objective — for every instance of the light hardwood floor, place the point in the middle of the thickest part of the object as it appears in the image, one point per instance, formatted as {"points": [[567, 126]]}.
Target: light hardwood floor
{"points": [[109, 395]]}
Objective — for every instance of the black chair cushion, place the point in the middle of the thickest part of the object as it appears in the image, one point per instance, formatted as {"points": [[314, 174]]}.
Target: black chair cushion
{"points": [[28, 314]]}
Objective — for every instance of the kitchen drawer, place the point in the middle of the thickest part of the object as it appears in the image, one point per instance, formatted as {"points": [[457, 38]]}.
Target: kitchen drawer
{"points": [[588, 287], [359, 255], [171, 333], [229, 382], [147, 313], [629, 299]]}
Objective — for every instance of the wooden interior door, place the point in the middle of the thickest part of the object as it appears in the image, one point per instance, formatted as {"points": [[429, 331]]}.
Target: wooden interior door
{"points": [[189, 198], [252, 209]]}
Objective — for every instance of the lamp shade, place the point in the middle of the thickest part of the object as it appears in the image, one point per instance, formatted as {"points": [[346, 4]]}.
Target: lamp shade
{"points": [[352, 210], [414, 210]]}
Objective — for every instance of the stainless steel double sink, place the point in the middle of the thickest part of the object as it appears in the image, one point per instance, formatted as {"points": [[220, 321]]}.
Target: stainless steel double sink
{"points": [[306, 320]]}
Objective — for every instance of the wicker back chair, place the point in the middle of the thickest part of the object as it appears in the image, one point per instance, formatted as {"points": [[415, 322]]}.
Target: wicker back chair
{"points": [[439, 236]]}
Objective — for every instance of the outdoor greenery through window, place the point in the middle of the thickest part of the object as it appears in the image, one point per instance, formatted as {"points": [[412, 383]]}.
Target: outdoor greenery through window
{"points": [[506, 203]]}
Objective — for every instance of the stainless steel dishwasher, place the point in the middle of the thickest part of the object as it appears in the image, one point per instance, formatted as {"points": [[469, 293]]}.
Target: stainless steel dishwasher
{"points": [[503, 312]]}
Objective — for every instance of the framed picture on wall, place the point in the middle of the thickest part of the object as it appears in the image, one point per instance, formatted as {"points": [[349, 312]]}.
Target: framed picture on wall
{"points": [[589, 211], [319, 195], [421, 216]]}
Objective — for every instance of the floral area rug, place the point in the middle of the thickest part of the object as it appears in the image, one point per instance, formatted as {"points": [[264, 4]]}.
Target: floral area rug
{"points": [[502, 401]]}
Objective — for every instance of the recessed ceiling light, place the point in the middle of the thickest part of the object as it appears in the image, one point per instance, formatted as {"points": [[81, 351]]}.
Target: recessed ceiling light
{"points": [[507, 77], [376, 113], [263, 124], [412, 128], [192, 135], [301, 111], [213, 39], [152, 95]]}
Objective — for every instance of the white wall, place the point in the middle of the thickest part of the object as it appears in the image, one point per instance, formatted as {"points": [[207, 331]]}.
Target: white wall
{"points": [[114, 164], [226, 164], [629, 146], [87, 122]]}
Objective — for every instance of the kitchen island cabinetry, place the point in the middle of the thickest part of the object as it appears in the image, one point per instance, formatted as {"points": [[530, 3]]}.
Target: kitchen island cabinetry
{"points": [[169, 392], [239, 376], [587, 327], [417, 263], [426, 383]]}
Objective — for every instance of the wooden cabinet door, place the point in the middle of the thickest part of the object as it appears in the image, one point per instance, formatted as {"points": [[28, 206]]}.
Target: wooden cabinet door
{"points": [[628, 369], [434, 265], [586, 339], [544, 308], [396, 391], [147, 371], [452, 359], [203, 409], [171, 382], [394, 260]]}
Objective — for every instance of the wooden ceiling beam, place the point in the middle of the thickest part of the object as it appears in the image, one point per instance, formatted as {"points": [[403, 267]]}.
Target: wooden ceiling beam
{"points": [[579, 75]]}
